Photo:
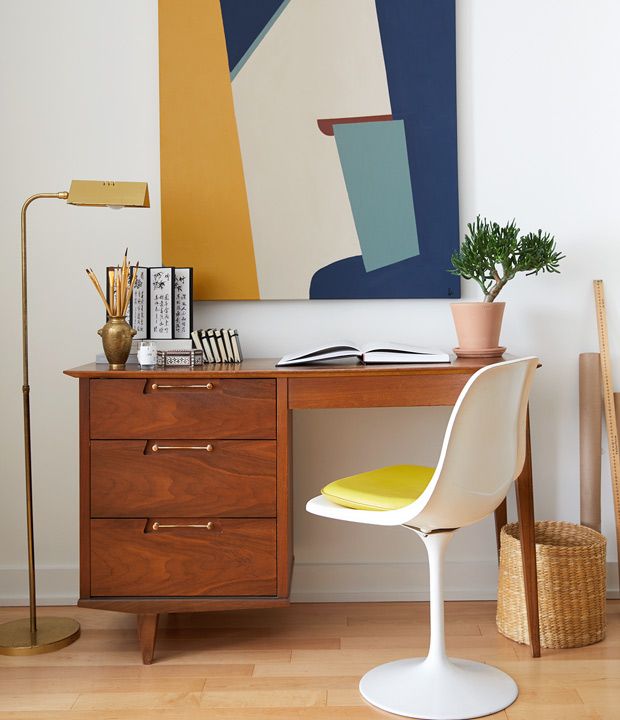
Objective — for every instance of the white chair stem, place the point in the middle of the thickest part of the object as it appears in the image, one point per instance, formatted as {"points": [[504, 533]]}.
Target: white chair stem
{"points": [[436, 544]]}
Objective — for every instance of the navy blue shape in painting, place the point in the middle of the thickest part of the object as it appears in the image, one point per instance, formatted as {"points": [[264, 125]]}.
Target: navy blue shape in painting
{"points": [[244, 21], [419, 49], [415, 277]]}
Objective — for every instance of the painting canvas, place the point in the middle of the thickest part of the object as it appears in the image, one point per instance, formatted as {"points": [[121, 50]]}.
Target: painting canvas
{"points": [[308, 147]]}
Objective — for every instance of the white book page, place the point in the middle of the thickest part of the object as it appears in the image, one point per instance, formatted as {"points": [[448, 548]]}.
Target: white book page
{"points": [[399, 358], [394, 347], [325, 352]]}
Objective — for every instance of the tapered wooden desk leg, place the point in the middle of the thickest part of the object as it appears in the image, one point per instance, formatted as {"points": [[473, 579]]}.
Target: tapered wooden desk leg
{"points": [[501, 518], [525, 510], [147, 634]]}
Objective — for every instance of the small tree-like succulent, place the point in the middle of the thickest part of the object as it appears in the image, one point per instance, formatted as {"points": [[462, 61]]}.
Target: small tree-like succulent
{"points": [[492, 255]]}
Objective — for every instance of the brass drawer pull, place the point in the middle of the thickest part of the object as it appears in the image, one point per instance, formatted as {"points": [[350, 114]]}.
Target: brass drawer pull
{"points": [[157, 386], [156, 448], [156, 526]]}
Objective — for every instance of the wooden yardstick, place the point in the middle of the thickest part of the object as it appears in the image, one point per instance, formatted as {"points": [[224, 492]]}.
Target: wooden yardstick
{"points": [[608, 400]]}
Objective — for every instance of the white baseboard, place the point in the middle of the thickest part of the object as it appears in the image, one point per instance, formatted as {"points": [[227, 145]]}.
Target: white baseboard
{"points": [[55, 586], [312, 582], [373, 582], [368, 582]]}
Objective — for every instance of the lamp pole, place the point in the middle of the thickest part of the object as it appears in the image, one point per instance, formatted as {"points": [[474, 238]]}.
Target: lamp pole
{"points": [[26, 402], [27, 636]]}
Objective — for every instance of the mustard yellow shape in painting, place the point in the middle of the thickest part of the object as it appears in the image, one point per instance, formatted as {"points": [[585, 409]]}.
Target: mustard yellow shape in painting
{"points": [[388, 488], [205, 215]]}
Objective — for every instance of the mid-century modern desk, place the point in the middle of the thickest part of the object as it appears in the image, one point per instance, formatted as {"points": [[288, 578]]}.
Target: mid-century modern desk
{"points": [[186, 479]]}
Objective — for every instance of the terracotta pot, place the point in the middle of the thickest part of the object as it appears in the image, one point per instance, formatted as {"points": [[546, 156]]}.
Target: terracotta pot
{"points": [[478, 325]]}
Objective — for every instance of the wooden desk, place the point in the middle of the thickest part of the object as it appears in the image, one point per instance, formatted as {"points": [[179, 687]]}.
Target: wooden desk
{"points": [[186, 479]]}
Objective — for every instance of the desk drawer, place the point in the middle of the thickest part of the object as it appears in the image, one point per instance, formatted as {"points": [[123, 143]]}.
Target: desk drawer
{"points": [[234, 557], [428, 388], [180, 408], [235, 478]]}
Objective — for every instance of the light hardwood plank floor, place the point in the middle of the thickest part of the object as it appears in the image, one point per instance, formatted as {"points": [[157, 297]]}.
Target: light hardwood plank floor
{"points": [[298, 663]]}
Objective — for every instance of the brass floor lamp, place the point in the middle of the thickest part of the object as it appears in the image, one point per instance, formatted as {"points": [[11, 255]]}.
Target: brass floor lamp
{"points": [[29, 636]]}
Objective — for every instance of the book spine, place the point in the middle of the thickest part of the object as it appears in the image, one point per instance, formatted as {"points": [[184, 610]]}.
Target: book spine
{"points": [[213, 345], [229, 351], [220, 345], [205, 346], [236, 345]]}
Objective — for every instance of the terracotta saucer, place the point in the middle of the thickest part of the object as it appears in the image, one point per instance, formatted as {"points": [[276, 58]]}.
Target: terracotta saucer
{"points": [[484, 352]]}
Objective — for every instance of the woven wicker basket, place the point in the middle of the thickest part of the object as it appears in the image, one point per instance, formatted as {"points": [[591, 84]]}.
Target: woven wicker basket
{"points": [[570, 562]]}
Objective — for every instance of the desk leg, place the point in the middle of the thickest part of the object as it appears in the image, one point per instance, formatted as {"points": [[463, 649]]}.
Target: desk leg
{"points": [[501, 518], [147, 634], [525, 510]]}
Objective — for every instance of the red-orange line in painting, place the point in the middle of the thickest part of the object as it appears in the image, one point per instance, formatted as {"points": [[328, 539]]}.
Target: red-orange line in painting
{"points": [[326, 125]]}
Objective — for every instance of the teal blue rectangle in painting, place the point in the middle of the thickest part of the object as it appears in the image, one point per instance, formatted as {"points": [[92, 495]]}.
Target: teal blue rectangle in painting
{"points": [[375, 165]]}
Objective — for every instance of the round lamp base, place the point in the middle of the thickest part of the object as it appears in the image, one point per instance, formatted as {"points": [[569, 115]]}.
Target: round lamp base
{"points": [[53, 633]]}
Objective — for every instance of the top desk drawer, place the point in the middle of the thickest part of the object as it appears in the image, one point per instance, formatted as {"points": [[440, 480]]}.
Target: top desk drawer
{"points": [[411, 390], [183, 408]]}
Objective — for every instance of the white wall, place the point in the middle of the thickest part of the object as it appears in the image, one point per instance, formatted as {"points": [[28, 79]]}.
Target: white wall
{"points": [[538, 140]]}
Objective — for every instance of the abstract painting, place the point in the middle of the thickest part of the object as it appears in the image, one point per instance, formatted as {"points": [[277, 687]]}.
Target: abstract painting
{"points": [[308, 147]]}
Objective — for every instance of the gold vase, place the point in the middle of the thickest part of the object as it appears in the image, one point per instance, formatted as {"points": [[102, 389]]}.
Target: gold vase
{"points": [[116, 335]]}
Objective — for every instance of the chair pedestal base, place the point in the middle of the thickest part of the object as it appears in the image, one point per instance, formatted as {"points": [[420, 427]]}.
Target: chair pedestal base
{"points": [[441, 689]]}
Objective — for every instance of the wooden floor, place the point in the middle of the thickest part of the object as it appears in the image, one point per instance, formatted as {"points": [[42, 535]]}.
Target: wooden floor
{"points": [[302, 662]]}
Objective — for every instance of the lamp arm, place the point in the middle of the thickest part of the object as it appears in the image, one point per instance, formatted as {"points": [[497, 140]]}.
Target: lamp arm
{"points": [[26, 401], [58, 196]]}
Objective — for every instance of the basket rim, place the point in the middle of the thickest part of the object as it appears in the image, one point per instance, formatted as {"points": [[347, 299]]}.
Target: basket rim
{"points": [[591, 538]]}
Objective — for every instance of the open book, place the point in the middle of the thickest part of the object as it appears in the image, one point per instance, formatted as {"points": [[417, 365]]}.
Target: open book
{"points": [[372, 352]]}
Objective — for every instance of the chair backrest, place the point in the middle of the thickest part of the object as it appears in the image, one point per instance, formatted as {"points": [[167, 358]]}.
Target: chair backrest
{"points": [[483, 449]]}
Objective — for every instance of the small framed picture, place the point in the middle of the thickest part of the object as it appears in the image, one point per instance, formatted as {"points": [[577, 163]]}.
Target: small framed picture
{"points": [[138, 307], [183, 295], [161, 304]]}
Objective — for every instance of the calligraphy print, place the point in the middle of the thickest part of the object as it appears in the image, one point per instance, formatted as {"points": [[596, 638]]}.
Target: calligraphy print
{"points": [[182, 302], [138, 306], [161, 303]]}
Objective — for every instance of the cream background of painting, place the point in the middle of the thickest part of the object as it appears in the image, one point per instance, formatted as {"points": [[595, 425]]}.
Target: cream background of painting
{"points": [[299, 207], [538, 140]]}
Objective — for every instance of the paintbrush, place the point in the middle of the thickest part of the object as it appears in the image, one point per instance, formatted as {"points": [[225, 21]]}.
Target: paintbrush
{"points": [[95, 282]]}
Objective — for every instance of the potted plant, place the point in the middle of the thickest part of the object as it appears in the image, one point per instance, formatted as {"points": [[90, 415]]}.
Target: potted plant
{"points": [[492, 255]]}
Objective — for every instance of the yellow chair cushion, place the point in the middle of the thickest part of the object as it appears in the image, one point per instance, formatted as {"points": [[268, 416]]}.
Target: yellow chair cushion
{"points": [[388, 488]]}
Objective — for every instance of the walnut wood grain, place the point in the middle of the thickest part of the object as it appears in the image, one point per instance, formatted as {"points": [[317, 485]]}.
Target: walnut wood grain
{"points": [[266, 368], [359, 392], [84, 487], [525, 510], [131, 409], [237, 478], [147, 635], [236, 557], [285, 491], [501, 518], [181, 604]]}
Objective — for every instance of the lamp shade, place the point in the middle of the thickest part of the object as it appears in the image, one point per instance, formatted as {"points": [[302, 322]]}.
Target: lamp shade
{"points": [[109, 192]]}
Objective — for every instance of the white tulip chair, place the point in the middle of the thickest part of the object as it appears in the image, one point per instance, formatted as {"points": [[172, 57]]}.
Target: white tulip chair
{"points": [[482, 454]]}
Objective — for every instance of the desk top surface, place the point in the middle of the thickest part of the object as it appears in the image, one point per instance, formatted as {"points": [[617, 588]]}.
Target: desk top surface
{"points": [[266, 368]]}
